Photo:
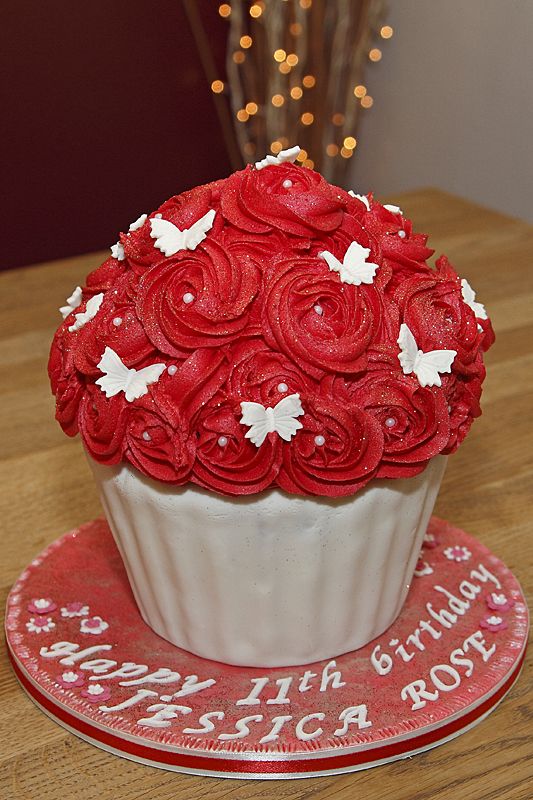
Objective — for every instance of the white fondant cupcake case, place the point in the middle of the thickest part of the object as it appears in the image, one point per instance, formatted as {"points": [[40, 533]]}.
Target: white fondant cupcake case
{"points": [[272, 579]]}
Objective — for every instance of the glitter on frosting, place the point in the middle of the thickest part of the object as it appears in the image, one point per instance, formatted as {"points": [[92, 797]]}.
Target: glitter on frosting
{"points": [[268, 321]]}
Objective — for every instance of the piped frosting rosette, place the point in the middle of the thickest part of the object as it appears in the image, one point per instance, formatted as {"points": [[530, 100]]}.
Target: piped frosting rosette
{"points": [[271, 330]]}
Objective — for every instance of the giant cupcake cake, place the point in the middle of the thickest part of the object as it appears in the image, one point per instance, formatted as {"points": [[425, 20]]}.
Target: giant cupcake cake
{"points": [[265, 375]]}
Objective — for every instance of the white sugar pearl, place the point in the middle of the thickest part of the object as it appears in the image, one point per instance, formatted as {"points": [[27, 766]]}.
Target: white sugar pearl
{"points": [[282, 387], [287, 184], [319, 441], [172, 369], [402, 234], [319, 310], [188, 297], [146, 436], [222, 441], [117, 321], [390, 422]]}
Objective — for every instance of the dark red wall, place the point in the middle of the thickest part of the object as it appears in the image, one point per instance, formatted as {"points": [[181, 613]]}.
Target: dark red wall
{"points": [[105, 113]]}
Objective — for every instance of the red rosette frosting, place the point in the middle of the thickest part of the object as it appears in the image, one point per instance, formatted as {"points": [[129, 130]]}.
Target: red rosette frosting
{"points": [[197, 299], [337, 451], [250, 312], [261, 200]]}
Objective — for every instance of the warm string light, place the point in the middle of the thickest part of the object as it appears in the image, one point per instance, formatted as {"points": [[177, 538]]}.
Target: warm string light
{"points": [[286, 62]]}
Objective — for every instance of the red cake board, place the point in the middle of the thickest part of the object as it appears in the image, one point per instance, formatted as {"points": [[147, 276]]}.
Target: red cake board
{"points": [[84, 655]]}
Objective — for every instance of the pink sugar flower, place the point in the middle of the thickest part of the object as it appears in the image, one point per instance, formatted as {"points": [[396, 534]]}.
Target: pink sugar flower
{"points": [[493, 623], [94, 625], [40, 624], [41, 605], [75, 609], [499, 602], [458, 553], [70, 679], [96, 693]]}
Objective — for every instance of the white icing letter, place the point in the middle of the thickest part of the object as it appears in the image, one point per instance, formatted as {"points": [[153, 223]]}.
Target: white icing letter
{"points": [[438, 683], [191, 685], [334, 678], [444, 617], [67, 649], [99, 665], [252, 699], [457, 658], [205, 722], [350, 715], [426, 625], [127, 669], [162, 716], [381, 662], [459, 606], [242, 727], [477, 642], [401, 651], [414, 638], [281, 697], [131, 701], [304, 685], [303, 735], [469, 590], [279, 722], [416, 691], [482, 574], [161, 675]]}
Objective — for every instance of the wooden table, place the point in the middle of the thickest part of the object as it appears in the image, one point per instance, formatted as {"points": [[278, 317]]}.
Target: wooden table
{"points": [[47, 489]]}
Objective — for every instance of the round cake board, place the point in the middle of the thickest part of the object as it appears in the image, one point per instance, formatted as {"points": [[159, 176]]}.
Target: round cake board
{"points": [[82, 652]]}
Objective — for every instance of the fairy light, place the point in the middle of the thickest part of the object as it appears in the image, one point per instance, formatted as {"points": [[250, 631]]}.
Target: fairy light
{"points": [[309, 81], [284, 68], [292, 59], [309, 163], [296, 92], [386, 32], [284, 141], [367, 101], [275, 147], [302, 156], [338, 119], [350, 143], [239, 56], [332, 150], [359, 90], [305, 4], [307, 118], [245, 42], [375, 54], [277, 100], [242, 115], [251, 108], [217, 87], [280, 55], [295, 28], [346, 153], [224, 10], [255, 11]]}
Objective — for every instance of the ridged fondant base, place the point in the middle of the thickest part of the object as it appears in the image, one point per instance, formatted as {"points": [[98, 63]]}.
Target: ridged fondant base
{"points": [[273, 579]]}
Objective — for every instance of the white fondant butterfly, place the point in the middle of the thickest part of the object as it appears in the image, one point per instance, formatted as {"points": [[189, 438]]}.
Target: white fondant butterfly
{"points": [[355, 268], [280, 419], [117, 251], [393, 209], [284, 155], [72, 302], [169, 238], [426, 366], [139, 222], [469, 296], [118, 378], [91, 310], [362, 198]]}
